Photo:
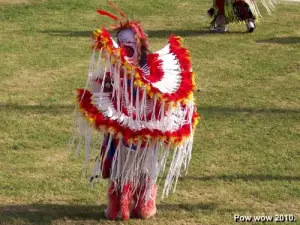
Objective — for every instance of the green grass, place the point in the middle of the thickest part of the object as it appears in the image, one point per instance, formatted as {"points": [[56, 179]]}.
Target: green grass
{"points": [[246, 157]]}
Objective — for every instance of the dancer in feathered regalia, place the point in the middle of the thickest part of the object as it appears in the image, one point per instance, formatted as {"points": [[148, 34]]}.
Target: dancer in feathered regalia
{"points": [[142, 104], [228, 11]]}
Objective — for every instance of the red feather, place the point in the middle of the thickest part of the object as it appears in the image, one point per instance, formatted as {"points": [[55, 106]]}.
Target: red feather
{"points": [[117, 8], [104, 13]]}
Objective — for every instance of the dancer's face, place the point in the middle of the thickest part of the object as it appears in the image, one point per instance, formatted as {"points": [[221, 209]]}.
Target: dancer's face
{"points": [[127, 41]]}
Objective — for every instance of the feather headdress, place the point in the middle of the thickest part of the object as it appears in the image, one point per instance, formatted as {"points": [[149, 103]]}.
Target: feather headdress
{"points": [[124, 23]]}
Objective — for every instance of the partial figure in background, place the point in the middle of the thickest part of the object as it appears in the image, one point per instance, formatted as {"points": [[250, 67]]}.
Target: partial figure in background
{"points": [[143, 106], [229, 11]]}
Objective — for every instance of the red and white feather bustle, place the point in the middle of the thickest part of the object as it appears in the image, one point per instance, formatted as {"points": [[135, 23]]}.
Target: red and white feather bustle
{"points": [[149, 112]]}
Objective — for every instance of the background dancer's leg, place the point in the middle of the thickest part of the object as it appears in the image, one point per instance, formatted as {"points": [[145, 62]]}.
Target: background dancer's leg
{"points": [[220, 23]]}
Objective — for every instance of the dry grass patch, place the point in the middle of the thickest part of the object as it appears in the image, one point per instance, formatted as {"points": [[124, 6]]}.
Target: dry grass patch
{"points": [[14, 1]]}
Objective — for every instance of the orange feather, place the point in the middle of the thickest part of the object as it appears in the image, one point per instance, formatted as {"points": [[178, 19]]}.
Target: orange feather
{"points": [[104, 13]]}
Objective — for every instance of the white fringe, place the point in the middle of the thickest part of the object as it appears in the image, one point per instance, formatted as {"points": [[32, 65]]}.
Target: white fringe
{"points": [[268, 4], [143, 163]]}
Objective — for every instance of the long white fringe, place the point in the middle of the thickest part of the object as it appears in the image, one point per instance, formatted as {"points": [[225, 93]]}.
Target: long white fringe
{"points": [[144, 162]]}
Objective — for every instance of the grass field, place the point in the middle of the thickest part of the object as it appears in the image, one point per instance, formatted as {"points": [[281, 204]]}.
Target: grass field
{"points": [[246, 157]]}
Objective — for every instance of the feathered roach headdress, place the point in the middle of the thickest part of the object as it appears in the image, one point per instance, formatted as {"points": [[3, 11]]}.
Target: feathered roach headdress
{"points": [[140, 35]]}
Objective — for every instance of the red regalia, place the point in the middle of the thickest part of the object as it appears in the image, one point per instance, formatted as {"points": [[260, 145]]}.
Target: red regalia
{"points": [[142, 104]]}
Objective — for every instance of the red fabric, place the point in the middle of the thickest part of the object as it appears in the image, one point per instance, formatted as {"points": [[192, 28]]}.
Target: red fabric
{"points": [[142, 208], [125, 201], [113, 203], [220, 4]]}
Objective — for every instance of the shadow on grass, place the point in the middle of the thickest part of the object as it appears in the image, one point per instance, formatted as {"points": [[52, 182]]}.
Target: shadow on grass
{"points": [[68, 33], [229, 110], [187, 33], [283, 40], [187, 207], [47, 213], [250, 177], [151, 33], [40, 109], [59, 109]]}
